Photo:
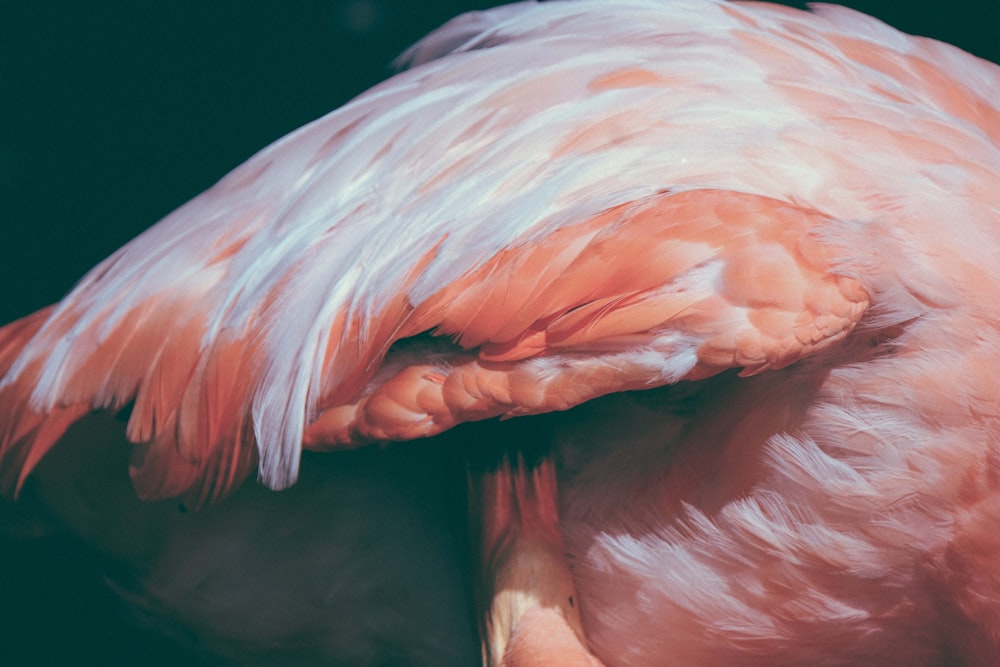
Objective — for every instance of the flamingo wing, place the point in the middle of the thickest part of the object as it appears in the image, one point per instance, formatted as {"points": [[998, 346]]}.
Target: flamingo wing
{"points": [[536, 214]]}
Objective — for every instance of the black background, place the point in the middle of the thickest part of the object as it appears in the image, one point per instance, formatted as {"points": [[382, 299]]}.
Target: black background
{"points": [[114, 112]]}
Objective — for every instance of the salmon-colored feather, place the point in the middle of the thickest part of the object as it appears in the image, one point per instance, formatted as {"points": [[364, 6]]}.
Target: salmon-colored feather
{"points": [[751, 320]]}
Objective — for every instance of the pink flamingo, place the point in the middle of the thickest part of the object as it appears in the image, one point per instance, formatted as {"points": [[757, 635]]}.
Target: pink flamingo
{"points": [[781, 226]]}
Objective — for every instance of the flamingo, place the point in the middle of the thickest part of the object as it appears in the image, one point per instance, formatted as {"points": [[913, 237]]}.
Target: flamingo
{"points": [[694, 253]]}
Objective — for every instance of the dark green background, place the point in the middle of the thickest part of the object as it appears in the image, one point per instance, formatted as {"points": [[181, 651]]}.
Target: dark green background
{"points": [[112, 113]]}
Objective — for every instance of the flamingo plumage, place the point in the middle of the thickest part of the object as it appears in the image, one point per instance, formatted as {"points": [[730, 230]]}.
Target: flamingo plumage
{"points": [[780, 226]]}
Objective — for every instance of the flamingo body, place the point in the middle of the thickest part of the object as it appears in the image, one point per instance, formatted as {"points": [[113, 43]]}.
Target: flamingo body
{"points": [[781, 226]]}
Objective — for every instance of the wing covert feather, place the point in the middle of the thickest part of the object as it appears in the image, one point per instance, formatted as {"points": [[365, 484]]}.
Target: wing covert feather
{"points": [[743, 284]]}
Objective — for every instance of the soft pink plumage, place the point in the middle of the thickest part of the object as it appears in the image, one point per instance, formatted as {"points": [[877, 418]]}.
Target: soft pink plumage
{"points": [[782, 225]]}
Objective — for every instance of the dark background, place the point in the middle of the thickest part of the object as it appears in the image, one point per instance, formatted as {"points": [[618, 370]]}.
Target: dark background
{"points": [[114, 112]]}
